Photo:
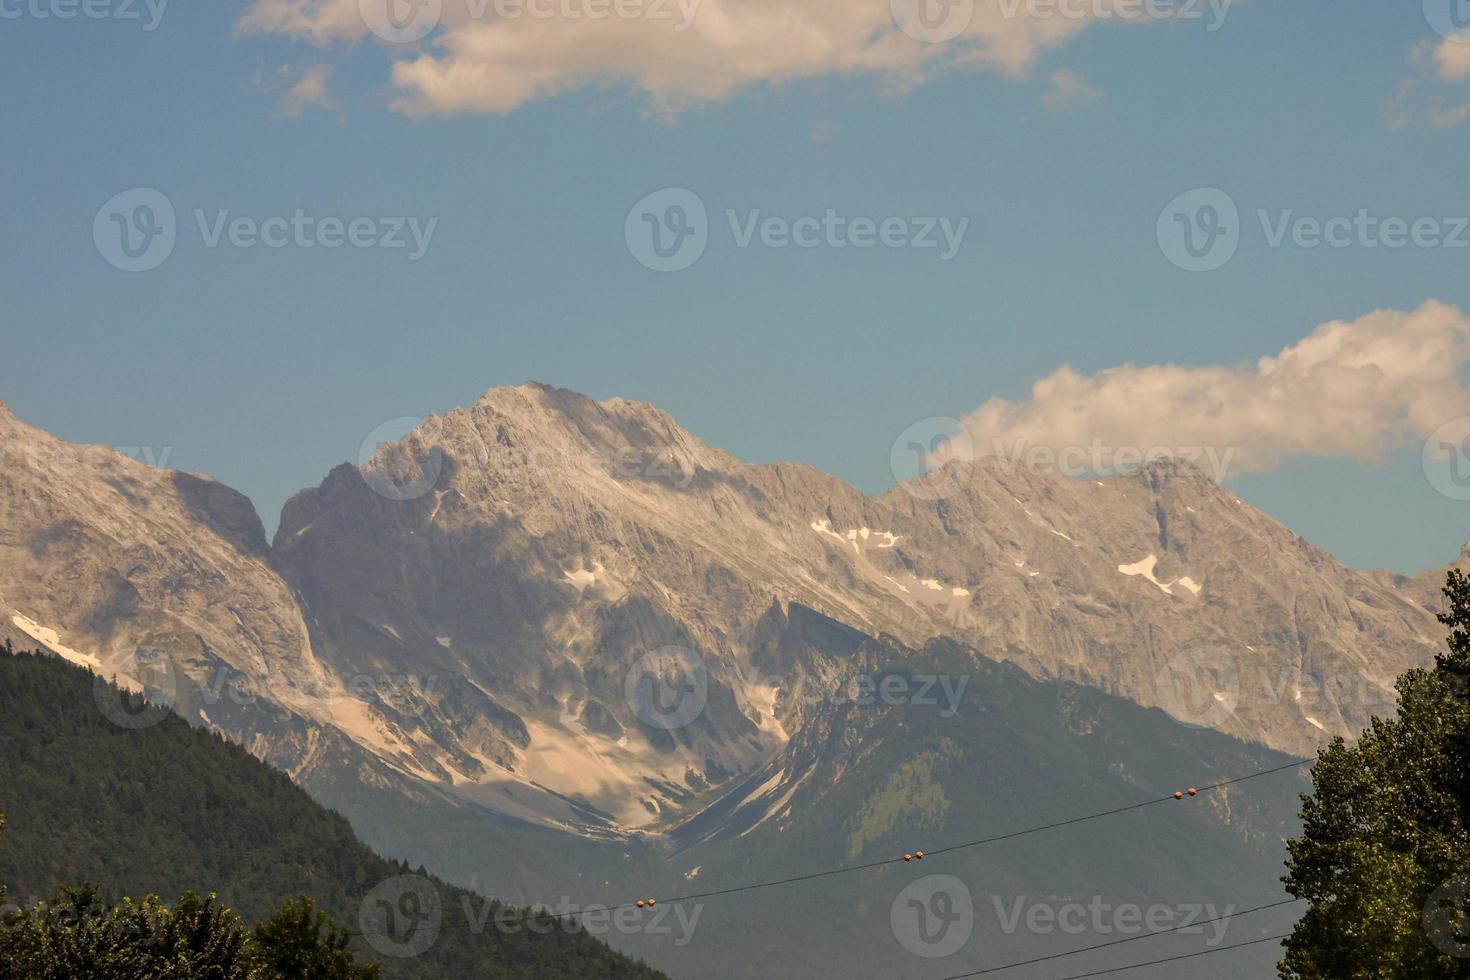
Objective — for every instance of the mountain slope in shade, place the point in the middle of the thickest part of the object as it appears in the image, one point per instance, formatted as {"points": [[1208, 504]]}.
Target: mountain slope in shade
{"points": [[541, 544], [867, 783], [165, 808], [1015, 754]]}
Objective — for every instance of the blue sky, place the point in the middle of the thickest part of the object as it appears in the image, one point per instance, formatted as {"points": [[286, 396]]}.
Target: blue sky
{"points": [[266, 366]]}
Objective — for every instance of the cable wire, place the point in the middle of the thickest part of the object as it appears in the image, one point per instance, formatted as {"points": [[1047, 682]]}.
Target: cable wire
{"points": [[1120, 942], [868, 866], [1175, 959], [983, 841]]}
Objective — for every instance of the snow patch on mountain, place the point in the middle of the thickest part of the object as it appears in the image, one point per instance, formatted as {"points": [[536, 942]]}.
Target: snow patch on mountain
{"points": [[926, 591], [1145, 569], [857, 537], [50, 638], [583, 578]]}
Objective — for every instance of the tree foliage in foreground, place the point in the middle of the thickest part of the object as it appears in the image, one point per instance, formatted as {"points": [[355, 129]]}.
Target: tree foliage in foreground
{"points": [[1384, 856], [77, 935]]}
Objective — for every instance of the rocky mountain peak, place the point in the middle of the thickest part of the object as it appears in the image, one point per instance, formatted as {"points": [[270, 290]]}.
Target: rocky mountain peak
{"points": [[539, 409], [529, 396], [533, 550], [110, 561], [14, 428], [1169, 469]]}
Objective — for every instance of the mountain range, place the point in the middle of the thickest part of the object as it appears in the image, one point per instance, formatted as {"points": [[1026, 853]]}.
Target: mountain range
{"points": [[549, 641]]}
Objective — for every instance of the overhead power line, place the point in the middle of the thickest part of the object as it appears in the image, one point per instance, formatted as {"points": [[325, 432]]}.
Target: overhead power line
{"points": [[650, 903], [922, 855], [1119, 942], [1175, 959]]}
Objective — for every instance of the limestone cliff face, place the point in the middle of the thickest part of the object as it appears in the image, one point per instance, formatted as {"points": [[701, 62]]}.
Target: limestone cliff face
{"points": [[493, 606], [118, 561]]}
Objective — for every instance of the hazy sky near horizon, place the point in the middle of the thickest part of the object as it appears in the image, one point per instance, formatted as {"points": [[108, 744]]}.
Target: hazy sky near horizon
{"points": [[332, 231]]}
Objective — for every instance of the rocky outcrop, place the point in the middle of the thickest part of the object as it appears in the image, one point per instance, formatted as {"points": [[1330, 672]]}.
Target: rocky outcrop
{"points": [[576, 613]]}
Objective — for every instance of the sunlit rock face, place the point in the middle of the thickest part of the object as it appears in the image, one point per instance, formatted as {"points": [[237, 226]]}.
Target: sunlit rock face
{"points": [[499, 607]]}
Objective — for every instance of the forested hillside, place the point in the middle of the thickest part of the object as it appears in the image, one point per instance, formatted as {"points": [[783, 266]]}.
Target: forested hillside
{"points": [[165, 809]]}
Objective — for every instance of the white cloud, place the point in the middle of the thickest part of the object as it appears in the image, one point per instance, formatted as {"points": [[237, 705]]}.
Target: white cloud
{"points": [[1069, 89], [1355, 390], [310, 89], [1425, 96], [673, 52], [318, 21], [1452, 59]]}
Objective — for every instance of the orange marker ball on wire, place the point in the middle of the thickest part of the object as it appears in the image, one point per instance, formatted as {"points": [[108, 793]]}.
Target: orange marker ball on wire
{"points": [[1193, 791], [1178, 795], [652, 902], [918, 855], [908, 857]]}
